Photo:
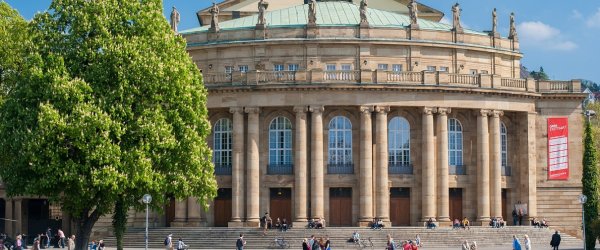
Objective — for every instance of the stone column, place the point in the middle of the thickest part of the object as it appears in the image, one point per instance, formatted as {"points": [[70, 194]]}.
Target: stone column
{"points": [[428, 173], [18, 215], [194, 217], [529, 178], [237, 171], [496, 164], [317, 166], [253, 170], [381, 139], [300, 170], [180, 214], [366, 166], [443, 207], [483, 167], [8, 214]]}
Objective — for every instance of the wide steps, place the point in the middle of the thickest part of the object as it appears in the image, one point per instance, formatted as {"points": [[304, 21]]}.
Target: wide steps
{"points": [[224, 238]]}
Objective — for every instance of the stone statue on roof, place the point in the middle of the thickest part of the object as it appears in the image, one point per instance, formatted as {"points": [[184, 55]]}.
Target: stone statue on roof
{"points": [[413, 12], [494, 22], [363, 12], [456, 17], [513, 28], [312, 12], [262, 8], [214, 22], [175, 19]]}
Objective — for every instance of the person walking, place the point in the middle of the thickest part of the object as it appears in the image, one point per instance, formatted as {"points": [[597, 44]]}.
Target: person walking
{"points": [[169, 242], [71, 243], [305, 244], [465, 245], [516, 243], [527, 242], [61, 237], [555, 242], [48, 237], [240, 243], [19, 242]]}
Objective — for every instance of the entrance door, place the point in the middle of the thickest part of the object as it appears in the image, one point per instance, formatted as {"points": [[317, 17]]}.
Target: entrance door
{"points": [[222, 207], [504, 210], [170, 211], [281, 204], [456, 203], [340, 207], [400, 206], [39, 220]]}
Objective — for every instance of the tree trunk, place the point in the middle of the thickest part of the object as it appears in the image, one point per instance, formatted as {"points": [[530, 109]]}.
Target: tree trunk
{"points": [[85, 223], [120, 222]]}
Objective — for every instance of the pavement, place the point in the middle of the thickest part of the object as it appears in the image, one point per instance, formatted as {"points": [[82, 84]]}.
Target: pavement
{"points": [[504, 247]]}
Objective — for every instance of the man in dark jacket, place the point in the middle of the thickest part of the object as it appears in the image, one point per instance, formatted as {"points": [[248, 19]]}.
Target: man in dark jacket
{"points": [[555, 242]]}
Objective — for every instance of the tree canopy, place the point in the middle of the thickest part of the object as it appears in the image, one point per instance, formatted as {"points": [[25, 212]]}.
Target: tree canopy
{"points": [[15, 44], [109, 107], [539, 75]]}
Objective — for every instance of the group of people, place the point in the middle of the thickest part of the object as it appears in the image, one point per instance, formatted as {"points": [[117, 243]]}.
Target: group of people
{"points": [[43, 241], [464, 223], [267, 223], [541, 224], [377, 224], [497, 222], [517, 243], [179, 246], [316, 224], [313, 244]]}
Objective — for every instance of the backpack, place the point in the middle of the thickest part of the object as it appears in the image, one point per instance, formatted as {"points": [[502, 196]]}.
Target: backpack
{"points": [[167, 241]]}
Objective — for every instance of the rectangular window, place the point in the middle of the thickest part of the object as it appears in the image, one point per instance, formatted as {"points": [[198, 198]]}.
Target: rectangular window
{"points": [[243, 68], [235, 14], [228, 69], [293, 67], [431, 68], [473, 72], [278, 67], [382, 67], [346, 66], [397, 67], [485, 72], [444, 69], [330, 67]]}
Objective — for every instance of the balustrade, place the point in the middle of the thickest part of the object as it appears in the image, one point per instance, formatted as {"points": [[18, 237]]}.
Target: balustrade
{"points": [[513, 83], [341, 75], [464, 79]]}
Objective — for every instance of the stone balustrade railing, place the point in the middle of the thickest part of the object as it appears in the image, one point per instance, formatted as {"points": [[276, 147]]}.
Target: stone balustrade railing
{"points": [[484, 81]]}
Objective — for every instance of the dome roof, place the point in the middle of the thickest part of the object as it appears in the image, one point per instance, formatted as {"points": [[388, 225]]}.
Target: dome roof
{"points": [[328, 14]]}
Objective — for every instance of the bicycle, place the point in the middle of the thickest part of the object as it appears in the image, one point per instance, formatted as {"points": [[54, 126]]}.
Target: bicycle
{"points": [[361, 244], [280, 243]]}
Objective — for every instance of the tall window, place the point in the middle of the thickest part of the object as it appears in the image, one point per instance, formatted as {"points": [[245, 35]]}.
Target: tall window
{"points": [[397, 67], [504, 144], [455, 142], [340, 141], [280, 141], [222, 143], [243, 68], [399, 142], [382, 66], [293, 67]]}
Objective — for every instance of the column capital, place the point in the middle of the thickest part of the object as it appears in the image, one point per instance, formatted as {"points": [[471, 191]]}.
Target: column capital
{"points": [[252, 110], [483, 112], [382, 109], [366, 109], [496, 113], [236, 110], [443, 111], [300, 109], [316, 109], [427, 110]]}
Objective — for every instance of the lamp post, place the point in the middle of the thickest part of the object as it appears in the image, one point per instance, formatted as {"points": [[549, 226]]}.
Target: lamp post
{"points": [[589, 114], [582, 200], [147, 199]]}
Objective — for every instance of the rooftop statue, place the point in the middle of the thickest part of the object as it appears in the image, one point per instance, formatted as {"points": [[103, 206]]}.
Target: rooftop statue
{"points": [[413, 12], [312, 12], [175, 19], [513, 28], [262, 8], [363, 12], [214, 23], [456, 17]]}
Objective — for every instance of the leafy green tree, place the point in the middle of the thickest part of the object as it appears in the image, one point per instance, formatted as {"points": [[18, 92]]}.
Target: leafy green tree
{"points": [[540, 75], [15, 45], [591, 188], [109, 107]]}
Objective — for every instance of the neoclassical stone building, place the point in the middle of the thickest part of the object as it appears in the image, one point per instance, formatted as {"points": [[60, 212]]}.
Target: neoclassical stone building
{"points": [[340, 111]]}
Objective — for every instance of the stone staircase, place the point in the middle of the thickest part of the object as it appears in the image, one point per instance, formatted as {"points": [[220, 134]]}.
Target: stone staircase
{"points": [[225, 238]]}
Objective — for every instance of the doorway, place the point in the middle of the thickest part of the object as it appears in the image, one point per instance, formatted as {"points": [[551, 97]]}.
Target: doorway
{"points": [[222, 207], [505, 214], [456, 206], [400, 206], [170, 211], [281, 204], [340, 207]]}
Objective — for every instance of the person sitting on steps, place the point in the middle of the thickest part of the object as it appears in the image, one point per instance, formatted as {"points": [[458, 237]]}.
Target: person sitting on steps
{"points": [[430, 224]]}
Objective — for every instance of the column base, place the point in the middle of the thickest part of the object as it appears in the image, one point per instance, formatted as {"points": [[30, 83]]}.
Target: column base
{"points": [[482, 221], [235, 224], [365, 223], [196, 223], [300, 223], [252, 223], [178, 224]]}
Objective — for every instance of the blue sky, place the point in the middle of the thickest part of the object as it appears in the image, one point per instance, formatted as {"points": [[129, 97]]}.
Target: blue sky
{"points": [[561, 36]]}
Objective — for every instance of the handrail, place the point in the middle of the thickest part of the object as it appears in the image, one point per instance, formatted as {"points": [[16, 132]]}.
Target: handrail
{"points": [[216, 78], [341, 75], [465, 79], [276, 76], [513, 82], [409, 77]]}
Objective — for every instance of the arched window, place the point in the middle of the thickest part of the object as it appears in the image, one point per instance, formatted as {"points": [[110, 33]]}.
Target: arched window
{"points": [[222, 144], [280, 142], [340, 141], [399, 142], [504, 144], [455, 143]]}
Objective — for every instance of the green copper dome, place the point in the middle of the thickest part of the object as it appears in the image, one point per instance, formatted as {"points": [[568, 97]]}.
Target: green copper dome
{"points": [[328, 14]]}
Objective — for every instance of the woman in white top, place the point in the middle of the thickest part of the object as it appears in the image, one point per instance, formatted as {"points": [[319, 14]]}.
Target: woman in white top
{"points": [[527, 243]]}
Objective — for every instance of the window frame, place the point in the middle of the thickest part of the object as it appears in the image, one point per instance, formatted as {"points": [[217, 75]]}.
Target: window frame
{"points": [[222, 153], [339, 144], [399, 152], [280, 141]]}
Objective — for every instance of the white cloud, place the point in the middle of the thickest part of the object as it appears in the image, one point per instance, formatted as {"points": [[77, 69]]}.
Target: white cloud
{"points": [[594, 21], [542, 35], [446, 20]]}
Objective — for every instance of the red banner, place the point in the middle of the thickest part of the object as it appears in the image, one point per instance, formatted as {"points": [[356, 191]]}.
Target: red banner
{"points": [[558, 150]]}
